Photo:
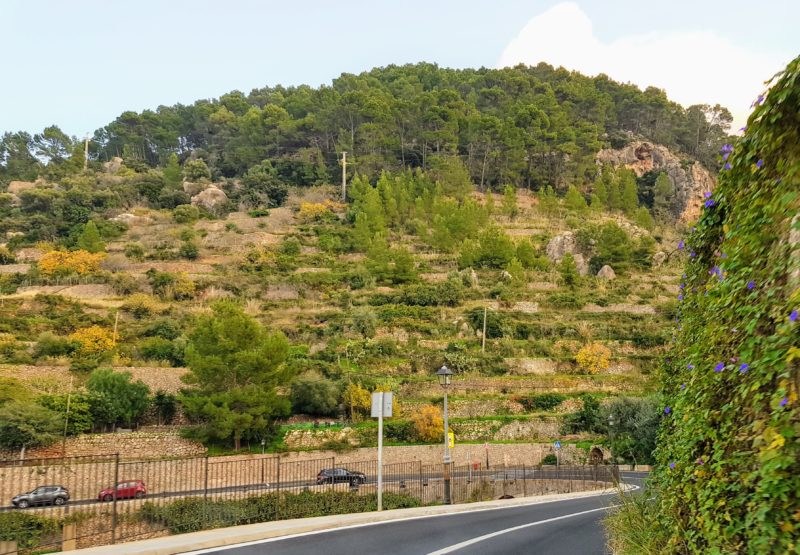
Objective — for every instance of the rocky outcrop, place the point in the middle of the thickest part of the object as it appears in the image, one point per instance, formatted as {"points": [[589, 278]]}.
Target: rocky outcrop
{"points": [[16, 187], [563, 244], [689, 179], [113, 166], [210, 199], [131, 219], [607, 272]]}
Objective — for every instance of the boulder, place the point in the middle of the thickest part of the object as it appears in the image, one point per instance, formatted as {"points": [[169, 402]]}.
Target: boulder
{"points": [[114, 165], [606, 272], [210, 198], [561, 245], [130, 219], [16, 187], [581, 264], [471, 277], [690, 180], [505, 276], [191, 188]]}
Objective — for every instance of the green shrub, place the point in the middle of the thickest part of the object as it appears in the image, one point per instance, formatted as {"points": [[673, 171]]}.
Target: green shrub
{"points": [[566, 300], [312, 394], [550, 458], [49, 345], [185, 214], [258, 213], [28, 530], [134, 251], [543, 401], [188, 250]]}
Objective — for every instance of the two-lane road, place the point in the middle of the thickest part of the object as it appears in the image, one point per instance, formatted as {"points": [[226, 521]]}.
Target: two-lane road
{"points": [[565, 527]]}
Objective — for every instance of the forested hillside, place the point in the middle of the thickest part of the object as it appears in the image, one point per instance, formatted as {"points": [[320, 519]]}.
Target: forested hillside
{"points": [[524, 126], [204, 250]]}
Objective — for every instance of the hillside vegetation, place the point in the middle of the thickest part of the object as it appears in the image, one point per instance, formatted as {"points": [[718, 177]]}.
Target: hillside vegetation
{"points": [[213, 264]]}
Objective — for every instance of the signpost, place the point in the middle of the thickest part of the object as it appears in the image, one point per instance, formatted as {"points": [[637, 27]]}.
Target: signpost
{"points": [[557, 445], [381, 406]]}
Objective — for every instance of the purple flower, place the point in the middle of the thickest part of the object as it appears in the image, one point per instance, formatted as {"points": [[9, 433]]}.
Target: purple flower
{"points": [[709, 203], [743, 128], [727, 147], [719, 367], [683, 286], [758, 100], [692, 254], [793, 315], [667, 410], [699, 461], [681, 244], [727, 166], [743, 368], [751, 284], [680, 297], [672, 465], [759, 163], [690, 366], [725, 156], [684, 276], [708, 194], [784, 401], [723, 256], [683, 386]]}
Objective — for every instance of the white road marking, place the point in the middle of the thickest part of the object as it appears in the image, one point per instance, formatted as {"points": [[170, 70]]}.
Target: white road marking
{"points": [[403, 519], [473, 541]]}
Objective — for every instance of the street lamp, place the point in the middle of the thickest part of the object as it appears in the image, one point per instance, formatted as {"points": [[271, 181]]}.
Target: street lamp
{"points": [[611, 437], [445, 376]]}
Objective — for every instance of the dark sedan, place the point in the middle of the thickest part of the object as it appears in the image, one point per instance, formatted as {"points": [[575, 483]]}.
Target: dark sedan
{"points": [[333, 475]]}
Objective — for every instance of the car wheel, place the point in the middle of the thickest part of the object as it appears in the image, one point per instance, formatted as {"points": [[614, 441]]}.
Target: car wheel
{"points": [[108, 497], [23, 504], [139, 494], [59, 500]]}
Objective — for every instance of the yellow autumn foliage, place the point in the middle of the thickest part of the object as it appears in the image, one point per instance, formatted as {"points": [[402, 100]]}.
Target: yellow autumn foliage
{"points": [[357, 400], [93, 340], [315, 211], [70, 262], [428, 424], [593, 358]]}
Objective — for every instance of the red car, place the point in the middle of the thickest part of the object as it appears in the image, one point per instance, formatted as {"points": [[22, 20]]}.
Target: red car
{"points": [[125, 490]]}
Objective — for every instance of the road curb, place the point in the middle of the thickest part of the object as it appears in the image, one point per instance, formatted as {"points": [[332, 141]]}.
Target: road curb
{"points": [[222, 537]]}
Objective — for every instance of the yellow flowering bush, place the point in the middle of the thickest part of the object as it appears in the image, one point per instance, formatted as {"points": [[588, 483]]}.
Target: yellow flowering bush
{"points": [[93, 340], [593, 358], [64, 262]]}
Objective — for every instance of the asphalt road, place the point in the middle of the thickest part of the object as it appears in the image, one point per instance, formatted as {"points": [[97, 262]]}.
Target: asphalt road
{"points": [[569, 527], [547, 473]]}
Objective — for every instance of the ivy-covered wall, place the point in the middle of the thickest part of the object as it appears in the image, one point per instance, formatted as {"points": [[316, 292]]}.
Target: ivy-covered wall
{"points": [[729, 455]]}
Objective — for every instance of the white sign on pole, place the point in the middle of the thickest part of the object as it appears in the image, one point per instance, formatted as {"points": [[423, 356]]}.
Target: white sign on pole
{"points": [[381, 404]]}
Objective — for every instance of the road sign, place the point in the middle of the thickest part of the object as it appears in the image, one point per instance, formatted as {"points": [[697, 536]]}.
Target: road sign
{"points": [[378, 398], [557, 444], [451, 440]]}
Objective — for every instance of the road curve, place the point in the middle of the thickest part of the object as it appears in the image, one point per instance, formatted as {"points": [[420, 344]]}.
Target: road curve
{"points": [[561, 528]]}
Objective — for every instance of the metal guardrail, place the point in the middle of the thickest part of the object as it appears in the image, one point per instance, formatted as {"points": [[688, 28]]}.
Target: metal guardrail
{"points": [[195, 493]]}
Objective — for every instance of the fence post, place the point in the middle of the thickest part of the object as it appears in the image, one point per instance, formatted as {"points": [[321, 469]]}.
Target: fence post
{"points": [[114, 504], [68, 535], [278, 487], [524, 482], [205, 482]]}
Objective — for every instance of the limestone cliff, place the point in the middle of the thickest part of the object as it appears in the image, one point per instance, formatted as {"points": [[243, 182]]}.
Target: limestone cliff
{"points": [[689, 179]]}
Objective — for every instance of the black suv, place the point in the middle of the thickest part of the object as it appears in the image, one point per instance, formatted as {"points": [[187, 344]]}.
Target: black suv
{"points": [[43, 495], [333, 475]]}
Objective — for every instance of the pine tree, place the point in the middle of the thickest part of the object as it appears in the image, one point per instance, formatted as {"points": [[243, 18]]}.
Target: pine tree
{"points": [[569, 271], [548, 203], [173, 175], [662, 196], [643, 218], [628, 189], [89, 239], [574, 200], [601, 191], [510, 206]]}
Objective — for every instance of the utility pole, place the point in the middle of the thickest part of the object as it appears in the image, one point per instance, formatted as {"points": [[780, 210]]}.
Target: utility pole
{"points": [[344, 176], [483, 336], [86, 153], [66, 420]]}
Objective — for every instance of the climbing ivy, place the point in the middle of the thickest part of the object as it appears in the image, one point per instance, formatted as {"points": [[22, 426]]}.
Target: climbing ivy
{"points": [[728, 472]]}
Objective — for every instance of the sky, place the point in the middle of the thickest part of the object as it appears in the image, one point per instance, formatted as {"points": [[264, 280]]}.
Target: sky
{"points": [[79, 64]]}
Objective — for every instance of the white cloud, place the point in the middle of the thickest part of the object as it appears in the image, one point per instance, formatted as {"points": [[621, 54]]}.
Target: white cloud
{"points": [[694, 67]]}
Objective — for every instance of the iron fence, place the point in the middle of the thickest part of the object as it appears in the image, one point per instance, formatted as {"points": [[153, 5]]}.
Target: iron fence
{"points": [[161, 497]]}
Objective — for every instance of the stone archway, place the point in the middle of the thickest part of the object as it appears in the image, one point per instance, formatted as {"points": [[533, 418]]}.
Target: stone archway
{"points": [[596, 456]]}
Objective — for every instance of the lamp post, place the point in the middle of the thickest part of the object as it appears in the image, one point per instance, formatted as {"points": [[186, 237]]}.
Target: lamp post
{"points": [[445, 376], [611, 437]]}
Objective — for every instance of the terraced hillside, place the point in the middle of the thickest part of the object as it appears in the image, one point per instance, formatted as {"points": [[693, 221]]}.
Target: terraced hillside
{"points": [[370, 295]]}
